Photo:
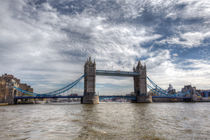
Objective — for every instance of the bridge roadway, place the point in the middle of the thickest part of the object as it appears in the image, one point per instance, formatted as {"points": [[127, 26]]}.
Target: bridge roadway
{"points": [[101, 97]]}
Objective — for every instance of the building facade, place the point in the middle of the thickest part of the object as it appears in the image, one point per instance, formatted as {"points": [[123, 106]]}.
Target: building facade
{"points": [[7, 90]]}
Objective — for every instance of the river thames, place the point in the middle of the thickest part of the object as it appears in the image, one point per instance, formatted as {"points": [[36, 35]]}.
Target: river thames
{"points": [[105, 121]]}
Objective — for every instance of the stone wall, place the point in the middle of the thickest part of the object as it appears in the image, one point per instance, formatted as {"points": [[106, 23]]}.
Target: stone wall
{"points": [[24, 87], [140, 84], [7, 90], [90, 77], [140, 81], [2, 90], [89, 83]]}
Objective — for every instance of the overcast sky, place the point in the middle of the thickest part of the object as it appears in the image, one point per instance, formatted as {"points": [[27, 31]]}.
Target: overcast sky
{"points": [[45, 43]]}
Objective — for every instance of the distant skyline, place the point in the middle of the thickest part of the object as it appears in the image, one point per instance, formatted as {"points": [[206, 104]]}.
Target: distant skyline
{"points": [[45, 43]]}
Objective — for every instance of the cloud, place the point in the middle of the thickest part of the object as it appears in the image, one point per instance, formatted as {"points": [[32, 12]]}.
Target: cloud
{"points": [[46, 43], [190, 20], [63, 42], [190, 71], [188, 39]]}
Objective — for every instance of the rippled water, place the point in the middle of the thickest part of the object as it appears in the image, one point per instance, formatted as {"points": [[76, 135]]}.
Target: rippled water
{"points": [[105, 121]]}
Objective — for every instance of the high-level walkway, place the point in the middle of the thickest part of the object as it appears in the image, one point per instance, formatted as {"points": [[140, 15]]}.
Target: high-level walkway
{"points": [[116, 73]]}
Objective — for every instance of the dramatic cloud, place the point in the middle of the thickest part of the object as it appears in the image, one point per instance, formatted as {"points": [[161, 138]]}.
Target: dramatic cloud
{"points": [[45, 43]]}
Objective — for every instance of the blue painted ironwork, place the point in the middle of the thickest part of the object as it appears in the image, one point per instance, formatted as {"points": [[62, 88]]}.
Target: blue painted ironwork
{"points": [[47, 96], [57, 93], [101, 97], [26, 92], [116, 73], [66, 88], [171, 97], [157, 87], [163, 93], [52, 93], [156, 90]]}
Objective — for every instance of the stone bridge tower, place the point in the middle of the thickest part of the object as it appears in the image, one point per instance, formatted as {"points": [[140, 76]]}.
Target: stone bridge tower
{"points": [[90, 96], [140, 84]]}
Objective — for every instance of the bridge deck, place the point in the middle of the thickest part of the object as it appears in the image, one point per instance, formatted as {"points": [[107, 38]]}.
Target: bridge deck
{"points": [[116, 73], [41, 97], [171, 97], [117, 96]]}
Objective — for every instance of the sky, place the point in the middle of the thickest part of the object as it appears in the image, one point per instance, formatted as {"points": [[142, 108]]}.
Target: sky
{"points": [[45, 43]]}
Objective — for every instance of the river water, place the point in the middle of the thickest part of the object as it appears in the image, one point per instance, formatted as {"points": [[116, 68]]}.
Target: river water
{"points": [[105, 121]]}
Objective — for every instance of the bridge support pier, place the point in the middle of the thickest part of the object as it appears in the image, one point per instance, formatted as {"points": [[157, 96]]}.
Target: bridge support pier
{"points": [[144, 99], [90, 99], [140, 84], [90, 96]]}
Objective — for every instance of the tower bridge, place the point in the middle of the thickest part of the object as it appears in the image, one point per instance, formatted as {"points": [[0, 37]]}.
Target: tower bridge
{"points": [[140, 79], [139, 75]]}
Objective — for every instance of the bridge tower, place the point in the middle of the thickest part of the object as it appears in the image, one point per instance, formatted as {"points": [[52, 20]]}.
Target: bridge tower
{"points": [[140, 84], [90, 96]]}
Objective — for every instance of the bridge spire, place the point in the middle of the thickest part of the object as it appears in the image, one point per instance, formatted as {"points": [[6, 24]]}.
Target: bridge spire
{"points": [[90, 59], [89, 83], [140, 83], [139, 63]]}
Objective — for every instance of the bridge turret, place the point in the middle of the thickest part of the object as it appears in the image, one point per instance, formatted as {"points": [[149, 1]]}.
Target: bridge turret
{"points": [[140, 83], [89, 83]]}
